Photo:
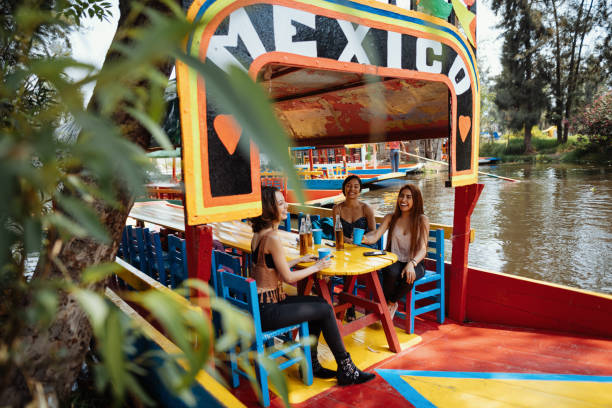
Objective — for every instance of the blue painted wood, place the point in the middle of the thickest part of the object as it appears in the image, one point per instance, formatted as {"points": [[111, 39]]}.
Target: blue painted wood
{"points": [[436, 295], [156, 259], [177, 260], [242, 293], [136, 243], [124, 246], [153, 363], [227, 262]]}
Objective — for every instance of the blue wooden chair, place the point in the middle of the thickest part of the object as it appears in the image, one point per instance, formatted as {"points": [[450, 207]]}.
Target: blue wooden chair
{"points": [[156, 259], [242, 293], [286, 225], [177, 260], [227, 262], [136, 247], [433, 293], [124, 246]]}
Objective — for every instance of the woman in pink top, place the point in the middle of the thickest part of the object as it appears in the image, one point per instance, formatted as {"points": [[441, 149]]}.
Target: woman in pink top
{"points": [[408, 232]]}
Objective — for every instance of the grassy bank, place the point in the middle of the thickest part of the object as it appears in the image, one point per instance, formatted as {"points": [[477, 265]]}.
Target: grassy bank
{"points": [[510, 148]]}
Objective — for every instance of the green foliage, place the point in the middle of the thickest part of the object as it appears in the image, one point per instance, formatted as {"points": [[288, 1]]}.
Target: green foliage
{"points": [[520, 87], [595, 121], [53, 182], [510, 148]]}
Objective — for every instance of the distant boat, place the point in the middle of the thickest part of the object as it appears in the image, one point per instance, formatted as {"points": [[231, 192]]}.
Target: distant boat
{"points": [[487, 160]]}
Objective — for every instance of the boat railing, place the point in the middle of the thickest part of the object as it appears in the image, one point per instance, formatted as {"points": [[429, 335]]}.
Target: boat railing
{"points": [[327, 212], [208, 390]]}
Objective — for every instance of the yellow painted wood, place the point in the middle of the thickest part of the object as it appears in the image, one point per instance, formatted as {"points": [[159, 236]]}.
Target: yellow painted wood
{"points": [[472, 392], [367, 347], [326, 212], [236, 234]]}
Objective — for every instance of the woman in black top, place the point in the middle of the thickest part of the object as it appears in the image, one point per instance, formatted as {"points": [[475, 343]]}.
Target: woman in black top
{"points": [[270, 268], [353, 214]]}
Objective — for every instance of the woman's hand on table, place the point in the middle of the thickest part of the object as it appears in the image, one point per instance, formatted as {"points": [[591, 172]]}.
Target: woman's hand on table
{"points": [[409, 273], [323, 263], [308, 258]]}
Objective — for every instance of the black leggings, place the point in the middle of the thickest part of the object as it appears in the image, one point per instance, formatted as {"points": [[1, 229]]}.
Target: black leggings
{"points": [[395, 286], [297, 309]]}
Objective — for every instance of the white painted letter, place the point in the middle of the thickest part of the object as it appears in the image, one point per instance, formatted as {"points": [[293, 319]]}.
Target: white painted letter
{"points": [[239, 26], [394, 49], [353, 46], [422, 45], [405, 4], [284, 31], [464, 84]]}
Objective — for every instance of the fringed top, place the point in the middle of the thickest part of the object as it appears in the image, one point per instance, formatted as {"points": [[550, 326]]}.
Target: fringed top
{"points": [[269, 282]]}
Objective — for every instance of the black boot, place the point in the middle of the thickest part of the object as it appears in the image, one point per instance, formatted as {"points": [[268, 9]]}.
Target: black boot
{"points": [[319, 371], [349, 374]]}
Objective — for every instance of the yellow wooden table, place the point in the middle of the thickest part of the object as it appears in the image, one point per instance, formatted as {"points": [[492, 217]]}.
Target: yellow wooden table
{"points": [[349, 262], [352, 263]]}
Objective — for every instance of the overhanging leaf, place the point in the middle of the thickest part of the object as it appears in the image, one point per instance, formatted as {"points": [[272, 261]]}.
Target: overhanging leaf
{"points": [[254, 114]]}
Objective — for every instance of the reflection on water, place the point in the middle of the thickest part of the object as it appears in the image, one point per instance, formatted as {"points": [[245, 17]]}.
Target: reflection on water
{"points": [[555, 225]]}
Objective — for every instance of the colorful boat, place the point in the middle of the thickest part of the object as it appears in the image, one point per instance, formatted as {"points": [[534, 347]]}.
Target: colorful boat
{"points": [[507, 340], [487, 160]]}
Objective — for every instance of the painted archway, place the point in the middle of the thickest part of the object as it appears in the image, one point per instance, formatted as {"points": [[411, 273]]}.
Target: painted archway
{"points": [[341, 36]]}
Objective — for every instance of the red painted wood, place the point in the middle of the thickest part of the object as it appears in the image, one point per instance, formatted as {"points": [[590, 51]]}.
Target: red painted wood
{"points": [[310, 163], [504, 299], [199, 249], [465, 201], [374, 287]]}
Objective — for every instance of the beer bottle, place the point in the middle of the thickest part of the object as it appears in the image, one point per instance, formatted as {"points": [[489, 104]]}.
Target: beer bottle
{"points": [[339, 233], [303, 239], [309, 231]]}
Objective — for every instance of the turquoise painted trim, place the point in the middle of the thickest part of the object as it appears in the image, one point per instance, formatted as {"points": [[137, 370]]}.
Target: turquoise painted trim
{"points": [[413, 396], [369, 9], [499, 376]]}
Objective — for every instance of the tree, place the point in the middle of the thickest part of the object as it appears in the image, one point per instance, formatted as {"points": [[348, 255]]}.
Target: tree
{"points": [[519, 88], [490, 120], [68, 200], [576, 70]]}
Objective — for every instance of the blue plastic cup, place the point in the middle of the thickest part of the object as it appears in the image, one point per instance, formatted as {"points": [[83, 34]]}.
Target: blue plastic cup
{"points": [[317, 234], [323, 252], [357, 235]]}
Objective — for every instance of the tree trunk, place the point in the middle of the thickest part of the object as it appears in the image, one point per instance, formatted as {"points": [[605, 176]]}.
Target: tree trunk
{"points": [[558, 120], [575, 66], [53, 357], [527, 140]]}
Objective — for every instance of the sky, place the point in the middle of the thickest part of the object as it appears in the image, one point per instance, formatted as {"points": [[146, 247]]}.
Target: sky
{"points": [[91, 43]]}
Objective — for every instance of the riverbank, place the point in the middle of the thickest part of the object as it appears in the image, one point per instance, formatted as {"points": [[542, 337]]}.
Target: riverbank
{"points": [[546, 150]]}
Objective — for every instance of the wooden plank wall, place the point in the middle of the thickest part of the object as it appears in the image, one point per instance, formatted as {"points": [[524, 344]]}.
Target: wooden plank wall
{"points": [[498, 298]]}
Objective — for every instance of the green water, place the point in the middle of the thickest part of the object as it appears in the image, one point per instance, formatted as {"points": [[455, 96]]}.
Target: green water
{"points": [[555, 225]]}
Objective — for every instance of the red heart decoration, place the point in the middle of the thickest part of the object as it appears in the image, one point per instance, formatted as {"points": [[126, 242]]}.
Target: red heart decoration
{"points": [[228, 131], [465, 123]]}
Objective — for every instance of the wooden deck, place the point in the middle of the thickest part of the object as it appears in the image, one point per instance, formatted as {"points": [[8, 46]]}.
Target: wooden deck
{"points": [[484, 366]]}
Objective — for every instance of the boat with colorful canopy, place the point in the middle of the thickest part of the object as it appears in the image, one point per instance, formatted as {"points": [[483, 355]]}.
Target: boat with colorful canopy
{"points": [[327, 65]]}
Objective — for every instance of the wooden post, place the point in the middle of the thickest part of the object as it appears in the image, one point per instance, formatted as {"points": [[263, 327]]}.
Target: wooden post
{"points": [[310, 159], [465, 201], [199, 250]]}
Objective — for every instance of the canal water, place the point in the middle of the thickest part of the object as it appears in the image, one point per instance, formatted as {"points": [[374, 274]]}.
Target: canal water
{"points": [[555, 225]]}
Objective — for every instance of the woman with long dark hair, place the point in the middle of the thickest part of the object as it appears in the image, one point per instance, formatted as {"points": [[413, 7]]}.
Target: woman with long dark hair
{"points": [[353, 212], [270, 269], [408, 233]]}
